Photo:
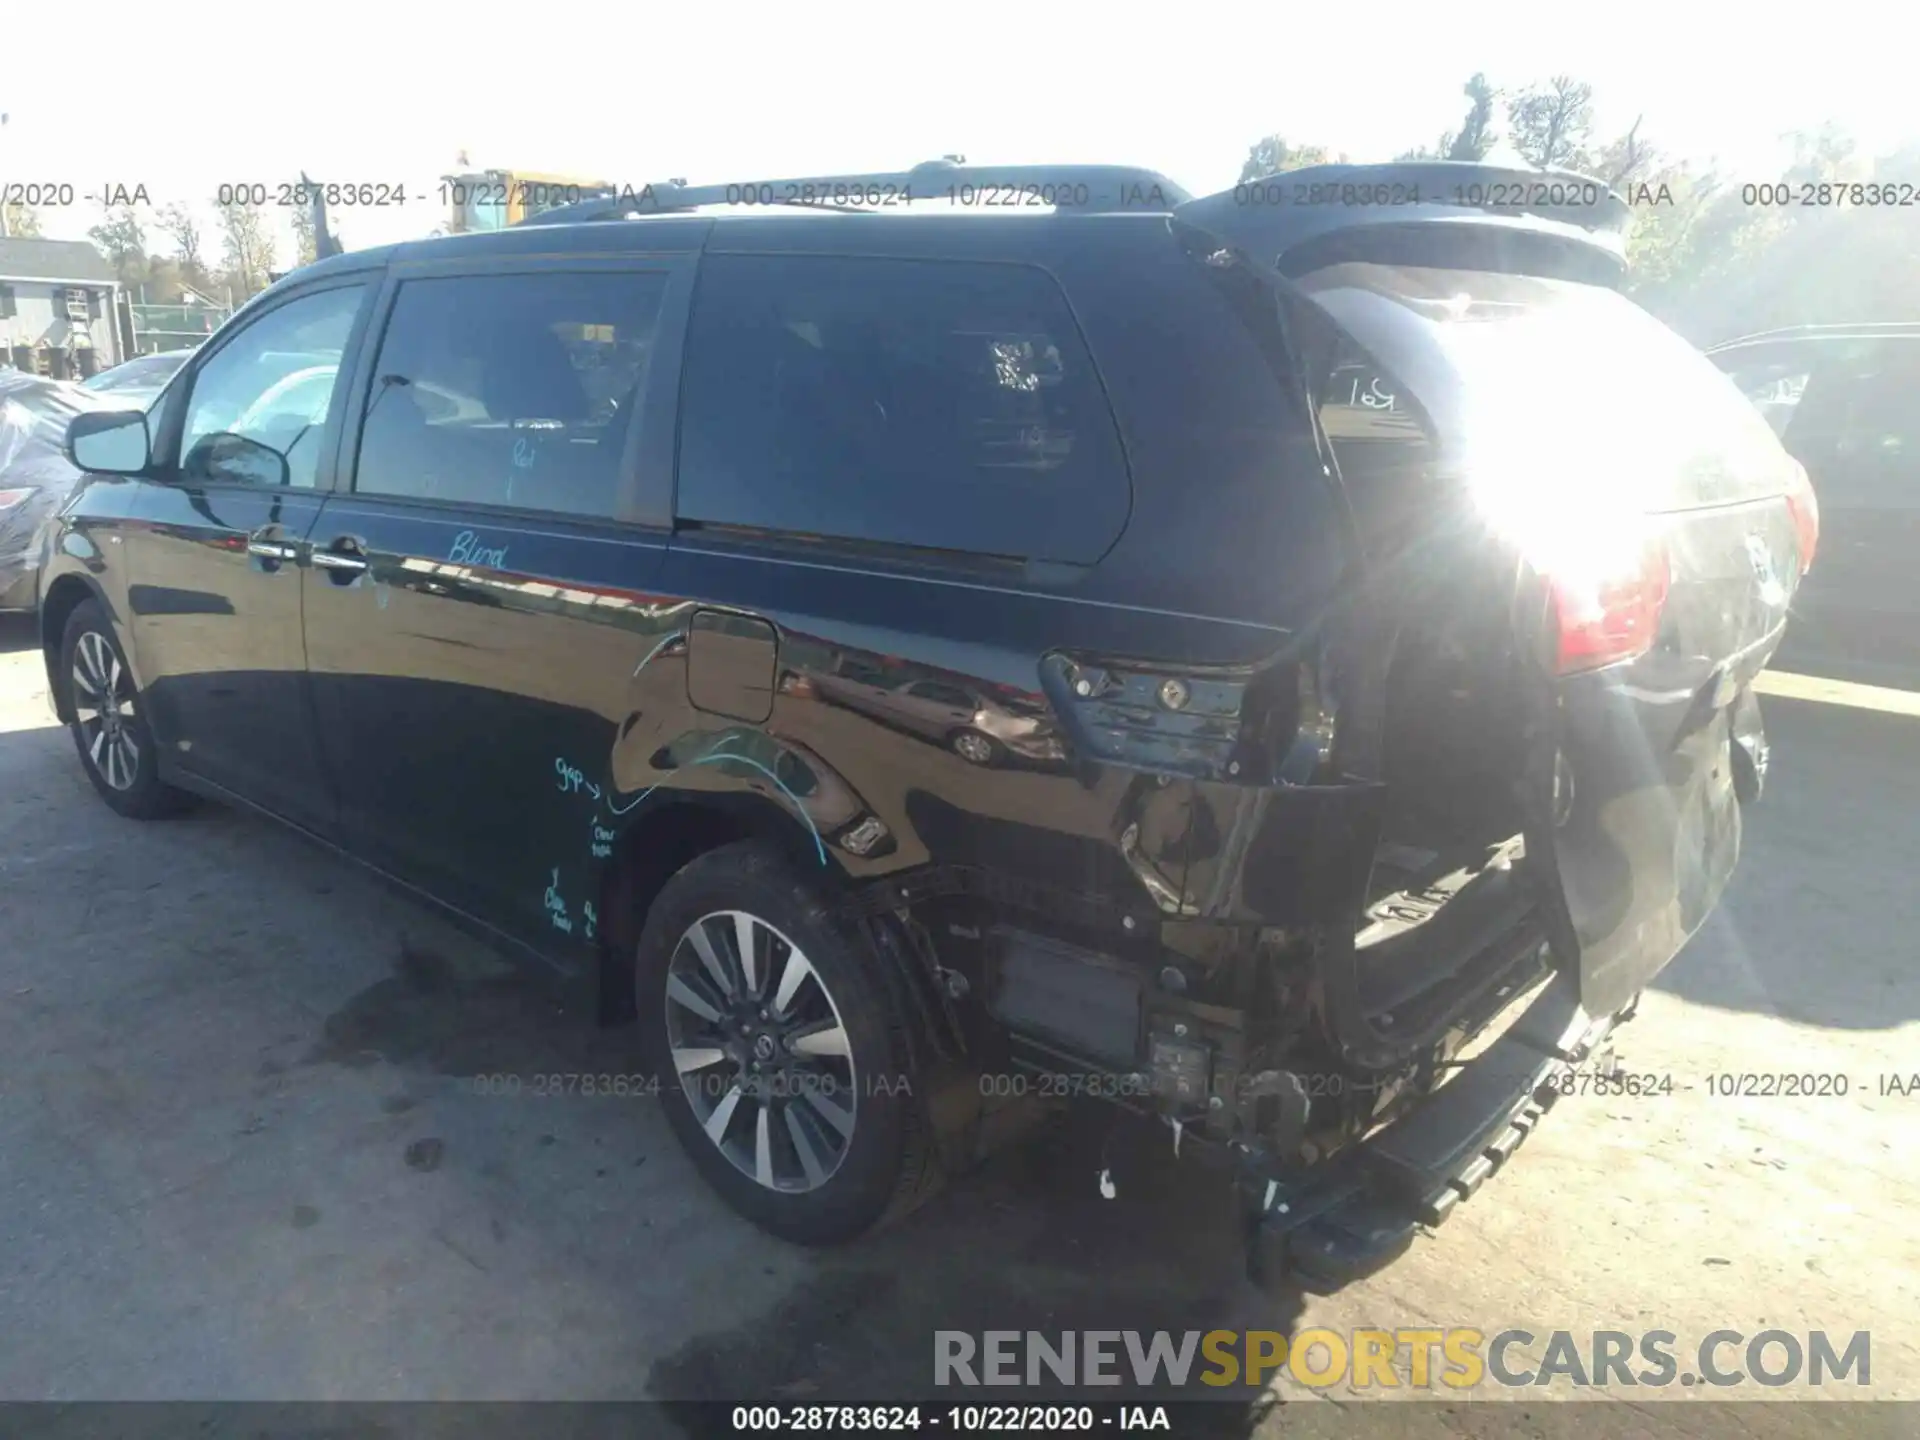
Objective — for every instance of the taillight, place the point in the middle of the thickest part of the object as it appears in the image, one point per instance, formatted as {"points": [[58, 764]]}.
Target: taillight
{"points": [[1804, 508], [1607, 618], [1152, 716]]}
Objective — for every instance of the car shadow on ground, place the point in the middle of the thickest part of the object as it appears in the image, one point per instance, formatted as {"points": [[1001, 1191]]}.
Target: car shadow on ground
{"points": [[18, 632], [1024, 1242], [1824, 849]]}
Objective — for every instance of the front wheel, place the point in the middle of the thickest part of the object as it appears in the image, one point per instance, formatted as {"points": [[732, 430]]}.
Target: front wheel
{"points": [[974, 748], [109, 727], [784, 1065]]}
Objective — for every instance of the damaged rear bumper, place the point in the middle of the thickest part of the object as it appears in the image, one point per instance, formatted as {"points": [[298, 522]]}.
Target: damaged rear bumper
{"points": [[1360, 1211]]}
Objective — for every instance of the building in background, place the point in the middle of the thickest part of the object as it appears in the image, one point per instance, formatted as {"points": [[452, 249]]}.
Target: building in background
{"points": [[58, 300]]}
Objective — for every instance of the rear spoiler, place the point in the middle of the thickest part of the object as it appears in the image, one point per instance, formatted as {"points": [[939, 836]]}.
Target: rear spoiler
{"points": [[1301, 218]]}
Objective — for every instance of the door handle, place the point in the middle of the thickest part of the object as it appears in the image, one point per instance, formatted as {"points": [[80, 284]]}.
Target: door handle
{"points": [[273, 550], [344, 557]]}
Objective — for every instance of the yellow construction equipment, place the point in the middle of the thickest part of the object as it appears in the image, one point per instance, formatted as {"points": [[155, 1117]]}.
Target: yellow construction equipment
{"points": [[495, 199]]}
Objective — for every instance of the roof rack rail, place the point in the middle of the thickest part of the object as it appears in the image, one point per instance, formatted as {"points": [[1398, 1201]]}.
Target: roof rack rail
{"points": [[1085, 189], [1826, 329]]}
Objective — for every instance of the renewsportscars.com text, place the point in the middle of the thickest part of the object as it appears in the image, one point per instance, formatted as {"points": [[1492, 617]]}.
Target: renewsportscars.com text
{"points": [[1452, 1359]]}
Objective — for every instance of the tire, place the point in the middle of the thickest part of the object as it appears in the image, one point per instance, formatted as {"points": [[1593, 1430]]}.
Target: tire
{"points": [[976, 748], [800, 1175], [117, 749]]}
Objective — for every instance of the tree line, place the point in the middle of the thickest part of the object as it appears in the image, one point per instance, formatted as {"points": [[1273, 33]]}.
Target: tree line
{"points": [[1712, 254], [238, 258]]}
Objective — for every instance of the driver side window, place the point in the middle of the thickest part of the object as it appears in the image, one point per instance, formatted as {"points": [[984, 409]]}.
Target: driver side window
{"points": [[259, 406]]}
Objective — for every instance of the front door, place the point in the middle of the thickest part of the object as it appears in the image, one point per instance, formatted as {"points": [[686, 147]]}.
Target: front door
{"points": [[214, 572], [475, 608]]}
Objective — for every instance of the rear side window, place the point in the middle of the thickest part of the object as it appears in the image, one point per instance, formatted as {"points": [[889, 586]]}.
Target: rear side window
{"points": [[1381, 440], [511, 390], [941, 694], [942, 405], [1370, 418], [1550, 395]]}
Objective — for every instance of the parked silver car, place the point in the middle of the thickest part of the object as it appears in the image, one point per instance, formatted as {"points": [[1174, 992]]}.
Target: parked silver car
{"points": [[975, 726], [35, 475], [136, 381]]}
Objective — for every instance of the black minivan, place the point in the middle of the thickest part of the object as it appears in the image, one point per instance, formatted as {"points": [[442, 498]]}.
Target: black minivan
{"points": [[1279, 662]]}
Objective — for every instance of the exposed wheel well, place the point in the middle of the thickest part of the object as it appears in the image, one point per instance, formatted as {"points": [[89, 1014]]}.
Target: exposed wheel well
{"points": [[66, 595], [654, 849]]}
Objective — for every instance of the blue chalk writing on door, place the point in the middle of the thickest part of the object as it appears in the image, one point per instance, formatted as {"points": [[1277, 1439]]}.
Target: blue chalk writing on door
{"points": [[467, 550], [556, 907], [572, 778]]}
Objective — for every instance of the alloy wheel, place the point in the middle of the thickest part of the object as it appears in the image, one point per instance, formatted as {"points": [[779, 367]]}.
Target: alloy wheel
{"points": [[761, 1052], [103, 706], [974, 749]]}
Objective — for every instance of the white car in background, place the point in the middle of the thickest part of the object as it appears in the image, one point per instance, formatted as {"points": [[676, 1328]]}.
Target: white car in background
{"points": [[135, 382]]}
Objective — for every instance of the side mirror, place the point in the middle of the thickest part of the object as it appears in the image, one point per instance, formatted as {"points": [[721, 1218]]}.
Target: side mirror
{"points": [[236, 459], [109, 442]]}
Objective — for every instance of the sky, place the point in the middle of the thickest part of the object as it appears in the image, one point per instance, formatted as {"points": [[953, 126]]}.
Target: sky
{"points": [[184, 98]]}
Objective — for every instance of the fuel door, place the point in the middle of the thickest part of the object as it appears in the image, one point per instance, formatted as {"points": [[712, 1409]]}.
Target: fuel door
{"points": [[730, 665]]}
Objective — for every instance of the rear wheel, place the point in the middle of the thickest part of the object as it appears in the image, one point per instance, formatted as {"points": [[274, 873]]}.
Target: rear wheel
{"points": [[109, 727], [783, 1064], [973, 747]]}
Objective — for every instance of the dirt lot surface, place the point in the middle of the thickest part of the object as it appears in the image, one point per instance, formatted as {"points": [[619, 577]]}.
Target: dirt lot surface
{"points": [[245, 1153]]}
